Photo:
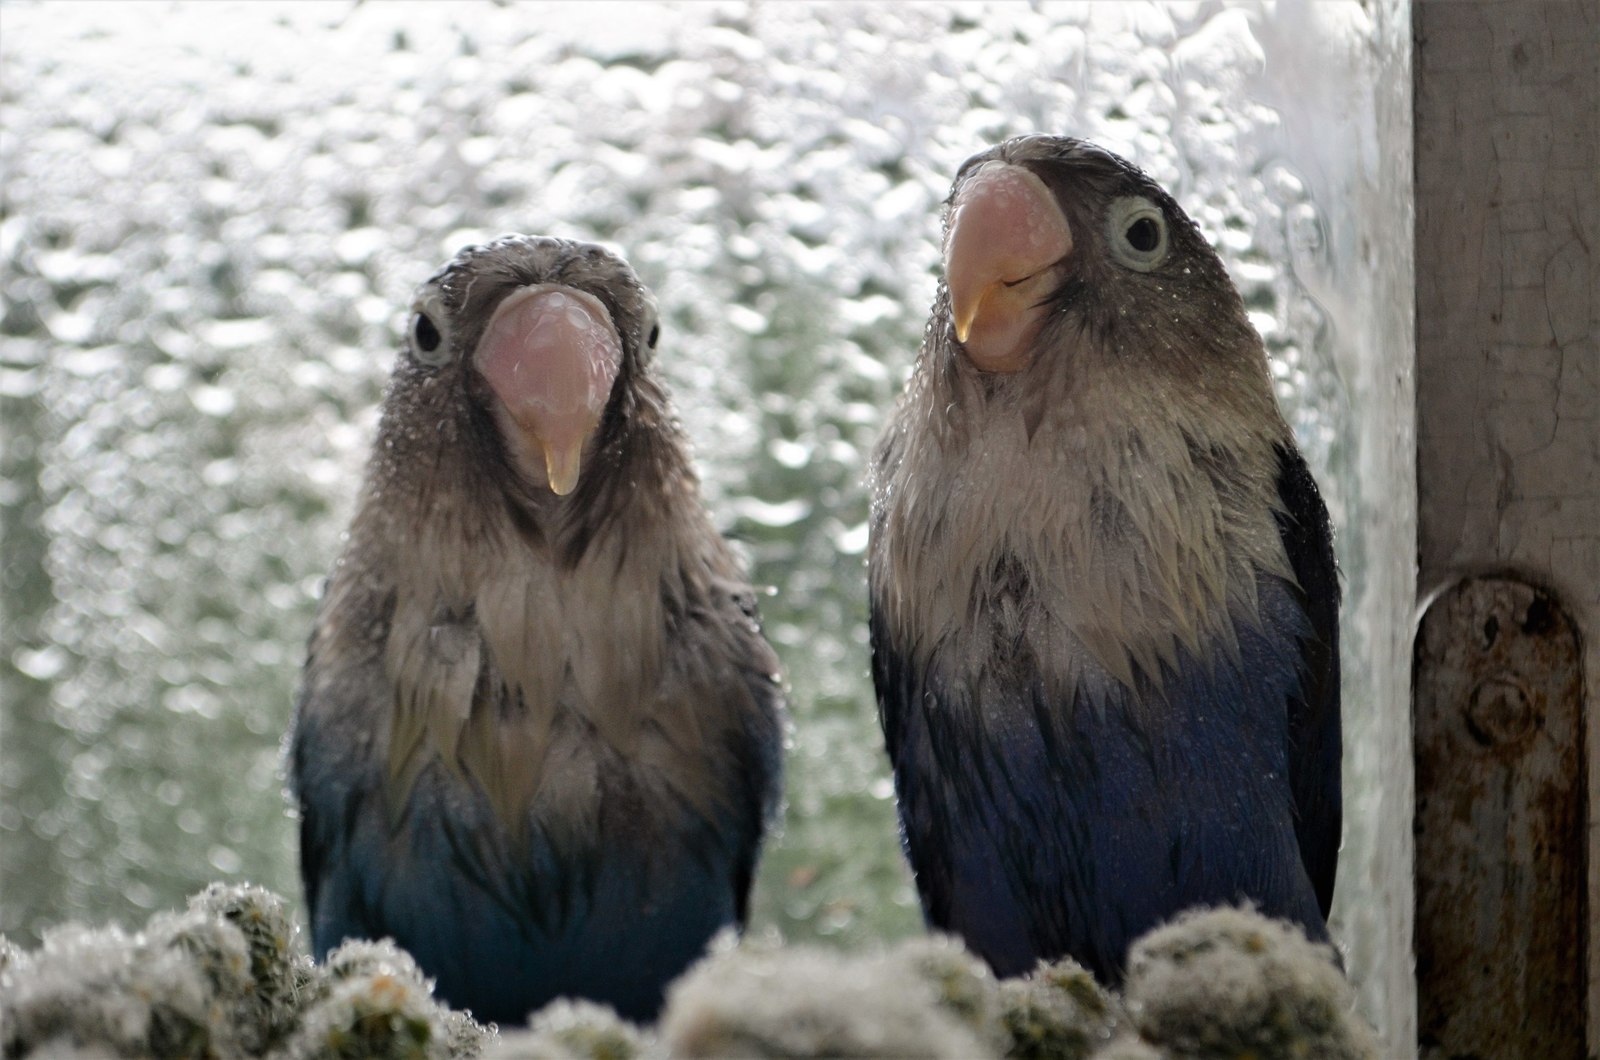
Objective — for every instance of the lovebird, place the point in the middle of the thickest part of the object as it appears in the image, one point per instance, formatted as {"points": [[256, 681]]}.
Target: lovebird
{"points": [[538, 740], [1103, 594]]}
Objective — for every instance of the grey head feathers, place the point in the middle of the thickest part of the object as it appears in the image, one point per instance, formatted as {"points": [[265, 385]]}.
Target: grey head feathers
{"points": [[1127, 462], [514, 625]]}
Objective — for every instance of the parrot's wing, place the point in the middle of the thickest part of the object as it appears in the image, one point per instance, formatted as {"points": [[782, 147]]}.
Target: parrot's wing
{"points": [[1314, 740]]}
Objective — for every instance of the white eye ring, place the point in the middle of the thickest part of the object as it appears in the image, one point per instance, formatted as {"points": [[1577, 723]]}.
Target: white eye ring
{"points": [[428, 329], [1138, 233], [650, 335]]}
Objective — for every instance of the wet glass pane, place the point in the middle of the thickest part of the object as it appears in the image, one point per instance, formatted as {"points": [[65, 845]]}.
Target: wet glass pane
{"points": [[213, 218]]}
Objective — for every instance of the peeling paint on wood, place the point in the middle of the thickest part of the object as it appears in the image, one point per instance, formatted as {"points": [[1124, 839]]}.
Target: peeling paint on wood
{"points": [[1507, 98], [1501, 903]]}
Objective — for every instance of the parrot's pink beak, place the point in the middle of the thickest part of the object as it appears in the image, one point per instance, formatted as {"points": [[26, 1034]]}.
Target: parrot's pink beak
{"points": [[1008, 239], [551, 354]]}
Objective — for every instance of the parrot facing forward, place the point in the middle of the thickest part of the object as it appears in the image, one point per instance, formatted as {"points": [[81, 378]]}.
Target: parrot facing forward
{"points": [[1104, 602], [539, 734]]}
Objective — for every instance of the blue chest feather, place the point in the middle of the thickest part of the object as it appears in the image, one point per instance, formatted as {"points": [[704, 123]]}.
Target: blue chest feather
{"points": [[506, 925], [1039, 828]]}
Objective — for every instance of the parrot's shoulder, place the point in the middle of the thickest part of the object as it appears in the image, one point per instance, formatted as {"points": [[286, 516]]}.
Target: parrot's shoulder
{"points": [[1306, 528]]}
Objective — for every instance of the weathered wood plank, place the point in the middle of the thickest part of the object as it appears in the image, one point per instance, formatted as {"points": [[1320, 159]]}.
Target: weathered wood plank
{"points": [[1501, 902], [1507, 134]]}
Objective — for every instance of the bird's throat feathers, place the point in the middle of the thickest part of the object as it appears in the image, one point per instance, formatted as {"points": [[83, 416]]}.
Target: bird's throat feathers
{"points": [[520, 663], [1102, 530], [484, 684]]}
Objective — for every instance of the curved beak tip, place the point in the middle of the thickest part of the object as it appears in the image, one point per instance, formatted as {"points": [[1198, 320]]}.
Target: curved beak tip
{"points": [[551, 354], [1006, 239], [562, 466], [964, 313]]}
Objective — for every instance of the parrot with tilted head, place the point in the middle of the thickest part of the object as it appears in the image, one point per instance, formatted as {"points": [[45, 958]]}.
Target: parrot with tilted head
{"points": [[1104, 605], [539, 734]]}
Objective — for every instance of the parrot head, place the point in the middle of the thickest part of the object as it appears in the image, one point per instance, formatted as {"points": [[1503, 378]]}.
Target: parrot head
{"points": [[1056, 247], [535, 332]]}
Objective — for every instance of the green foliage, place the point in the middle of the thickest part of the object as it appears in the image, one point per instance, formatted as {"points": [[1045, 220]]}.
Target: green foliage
{"points": [[802, 1001], [1227, 984], [225, 978], [221, 979], [279, 976], [963, 985], [1058, 1012], [573, 1030]]}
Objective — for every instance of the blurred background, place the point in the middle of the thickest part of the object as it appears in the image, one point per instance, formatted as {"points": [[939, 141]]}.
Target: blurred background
{"points": [[212, 219]]}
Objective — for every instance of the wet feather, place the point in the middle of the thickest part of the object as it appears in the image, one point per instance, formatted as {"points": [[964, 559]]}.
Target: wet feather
{"points": [[538, 736], [1103, 607]]}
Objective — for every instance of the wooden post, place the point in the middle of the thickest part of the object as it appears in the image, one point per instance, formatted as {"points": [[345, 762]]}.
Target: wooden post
{"points": [[1507, 134], [1499, 826]]}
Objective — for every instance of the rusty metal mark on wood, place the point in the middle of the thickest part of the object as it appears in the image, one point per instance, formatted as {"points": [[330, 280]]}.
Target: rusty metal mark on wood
{"points": [[1501, 915]]}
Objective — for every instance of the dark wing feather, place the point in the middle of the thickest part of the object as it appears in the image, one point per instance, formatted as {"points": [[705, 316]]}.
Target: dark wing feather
{"points": [[755, 751], [926, 799], [758, 753], [336, 895], [1314, 725]]}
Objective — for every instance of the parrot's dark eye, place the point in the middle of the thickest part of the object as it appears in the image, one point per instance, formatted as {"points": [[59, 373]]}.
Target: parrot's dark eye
{"points": [[1143, 235], [1138, 233], [651, 312], [429, 340], [427, 336]]}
